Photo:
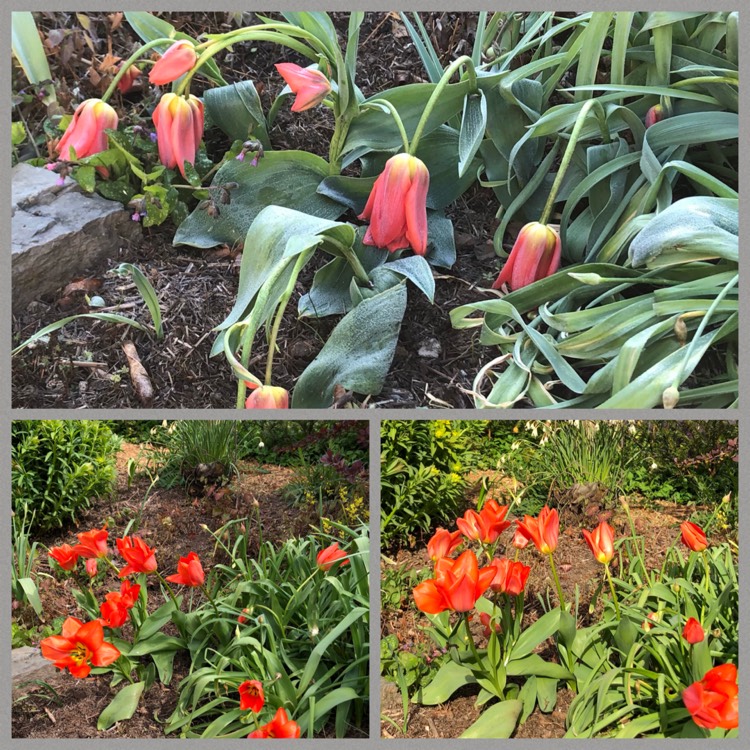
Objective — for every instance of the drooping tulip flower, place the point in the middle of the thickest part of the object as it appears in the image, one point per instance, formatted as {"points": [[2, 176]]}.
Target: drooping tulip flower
{"points": [[443, 544], [268, 397], [329, 556], [396, 208], [693, 536], [79, 647], [92, 543], [535, 255], [139, 556], [543, 531], [179, 129], [280, 727], [176, 61], [128, 79], [85, 134], [693, 632], [510, 576], [713, 701], [655, 114], [65, 556], [189, 571], [457, 585], [310, 85], [601, 542], [251, 696]]}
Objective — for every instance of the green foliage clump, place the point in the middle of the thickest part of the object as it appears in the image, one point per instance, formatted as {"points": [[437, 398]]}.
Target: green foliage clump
{"points": [[58, 467]]}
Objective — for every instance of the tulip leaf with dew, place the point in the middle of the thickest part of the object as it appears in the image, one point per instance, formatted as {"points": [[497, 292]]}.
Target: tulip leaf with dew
{"points": [[498, 721], [357, 354], [122, 707], [29, 51], [281, 178], [237, 110]]}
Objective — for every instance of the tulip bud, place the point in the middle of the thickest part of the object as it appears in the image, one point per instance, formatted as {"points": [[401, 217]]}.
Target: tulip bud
{"points": [[310, 85], [85, 134], [680, 331], [176, 61], [179, 129], [693, 632], [535, 255], [654, 115], [268, 397]]}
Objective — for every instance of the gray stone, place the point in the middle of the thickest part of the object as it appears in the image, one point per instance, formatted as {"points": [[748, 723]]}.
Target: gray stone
{"points": [[27, 663], [60, 232], [430, 349]]}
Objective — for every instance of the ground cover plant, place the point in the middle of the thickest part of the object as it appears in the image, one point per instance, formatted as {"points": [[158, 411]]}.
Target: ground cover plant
{"points": [[602, 148], [211, 606], [583, 613]]}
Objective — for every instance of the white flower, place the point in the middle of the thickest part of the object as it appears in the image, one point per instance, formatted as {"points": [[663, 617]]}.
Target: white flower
{"points": [[654, 466], [261, 444]]}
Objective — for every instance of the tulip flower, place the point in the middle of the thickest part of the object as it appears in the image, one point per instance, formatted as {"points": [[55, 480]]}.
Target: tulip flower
{"points": [[485, 526], [114, 609], [79, 647], [128, 79], [85, 134], [179, 129], [280, 727], [139, 556], [535, 255], [268, 397], [396, 208], [713, 701], [510, 577], [176, 61], [65, 556], [543, 531], [91, 566], [457, 585], [251, 696], [655, 114], [693, 632], [520, 540], [488, 624], [242, 617], [601, 542], [693, 536], [443, 544], [329, 556], [189, 571], [310, 85], [92, 543]]}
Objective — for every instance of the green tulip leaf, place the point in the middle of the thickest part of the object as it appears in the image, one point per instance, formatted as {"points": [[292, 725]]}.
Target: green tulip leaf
{"points": [[498, 721], [122, 707], [449, 678], [237, 110]]}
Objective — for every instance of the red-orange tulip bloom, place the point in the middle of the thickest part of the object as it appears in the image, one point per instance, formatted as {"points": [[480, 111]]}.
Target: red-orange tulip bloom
{"points": [[280, 727], [128, 79], [189, 571], [251, 696], [457, 585], [485, 526], [65, 556], [693, 632], [601, 542], [115, 608], [713, 701], [535, 255], [510, 576], [693, 536], [443, 544], [397, 208], [486, 621], [176, 61], [79, 647], [179, 129], [140, 558], [520, 540], [268, 397], [92, 566], [92, 543], [310, 85], [85, 133], [543, 531], [329, 556]]}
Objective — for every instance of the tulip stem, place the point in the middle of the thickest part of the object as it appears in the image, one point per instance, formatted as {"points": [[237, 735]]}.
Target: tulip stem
{"points": [[124, 67], [353, 260], [438, 90], [612, 589], [340, 131], [164, 583], [472, 646], [377, 104], [560, 596]]}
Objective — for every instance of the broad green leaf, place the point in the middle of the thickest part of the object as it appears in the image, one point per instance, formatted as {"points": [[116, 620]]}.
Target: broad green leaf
{"points": [[237, 110], [534, 664], [29, 51], [449, 678], [473, 124], [546, 693], [32, 594], [122, 707], [157, 642], [164, 661], [535, 634], [418, 271], [498, 721], [146, 291], [358, 352]]}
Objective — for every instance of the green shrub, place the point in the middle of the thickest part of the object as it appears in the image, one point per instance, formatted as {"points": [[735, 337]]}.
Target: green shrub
{"points": [[59, 466]]}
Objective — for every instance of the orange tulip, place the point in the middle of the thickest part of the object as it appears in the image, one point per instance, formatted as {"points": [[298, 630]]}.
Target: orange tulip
{"points": [[128, 79], [487, 623], [329, 556], [280, 727], [92, 566], [92, 543], [457, 585], [79, 647], [310, 85], [543, 531], [139, 556], [510, 576], [179, 129], [693, 632], [519, 539], [251, 696], [65, 556], [85, 134], [268, 397], [396, 208], [713, 701], [485, 526], [443, 544], [535, 255], [601, 542], [189, 571], [115, 607], [693, 536], [176, 61]]}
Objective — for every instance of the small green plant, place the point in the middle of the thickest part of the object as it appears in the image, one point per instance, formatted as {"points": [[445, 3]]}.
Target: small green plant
{"points": [[23, 586]]}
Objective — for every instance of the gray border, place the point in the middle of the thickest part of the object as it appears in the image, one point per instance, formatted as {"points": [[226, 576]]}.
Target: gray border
{"points": [[373, 416]]}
